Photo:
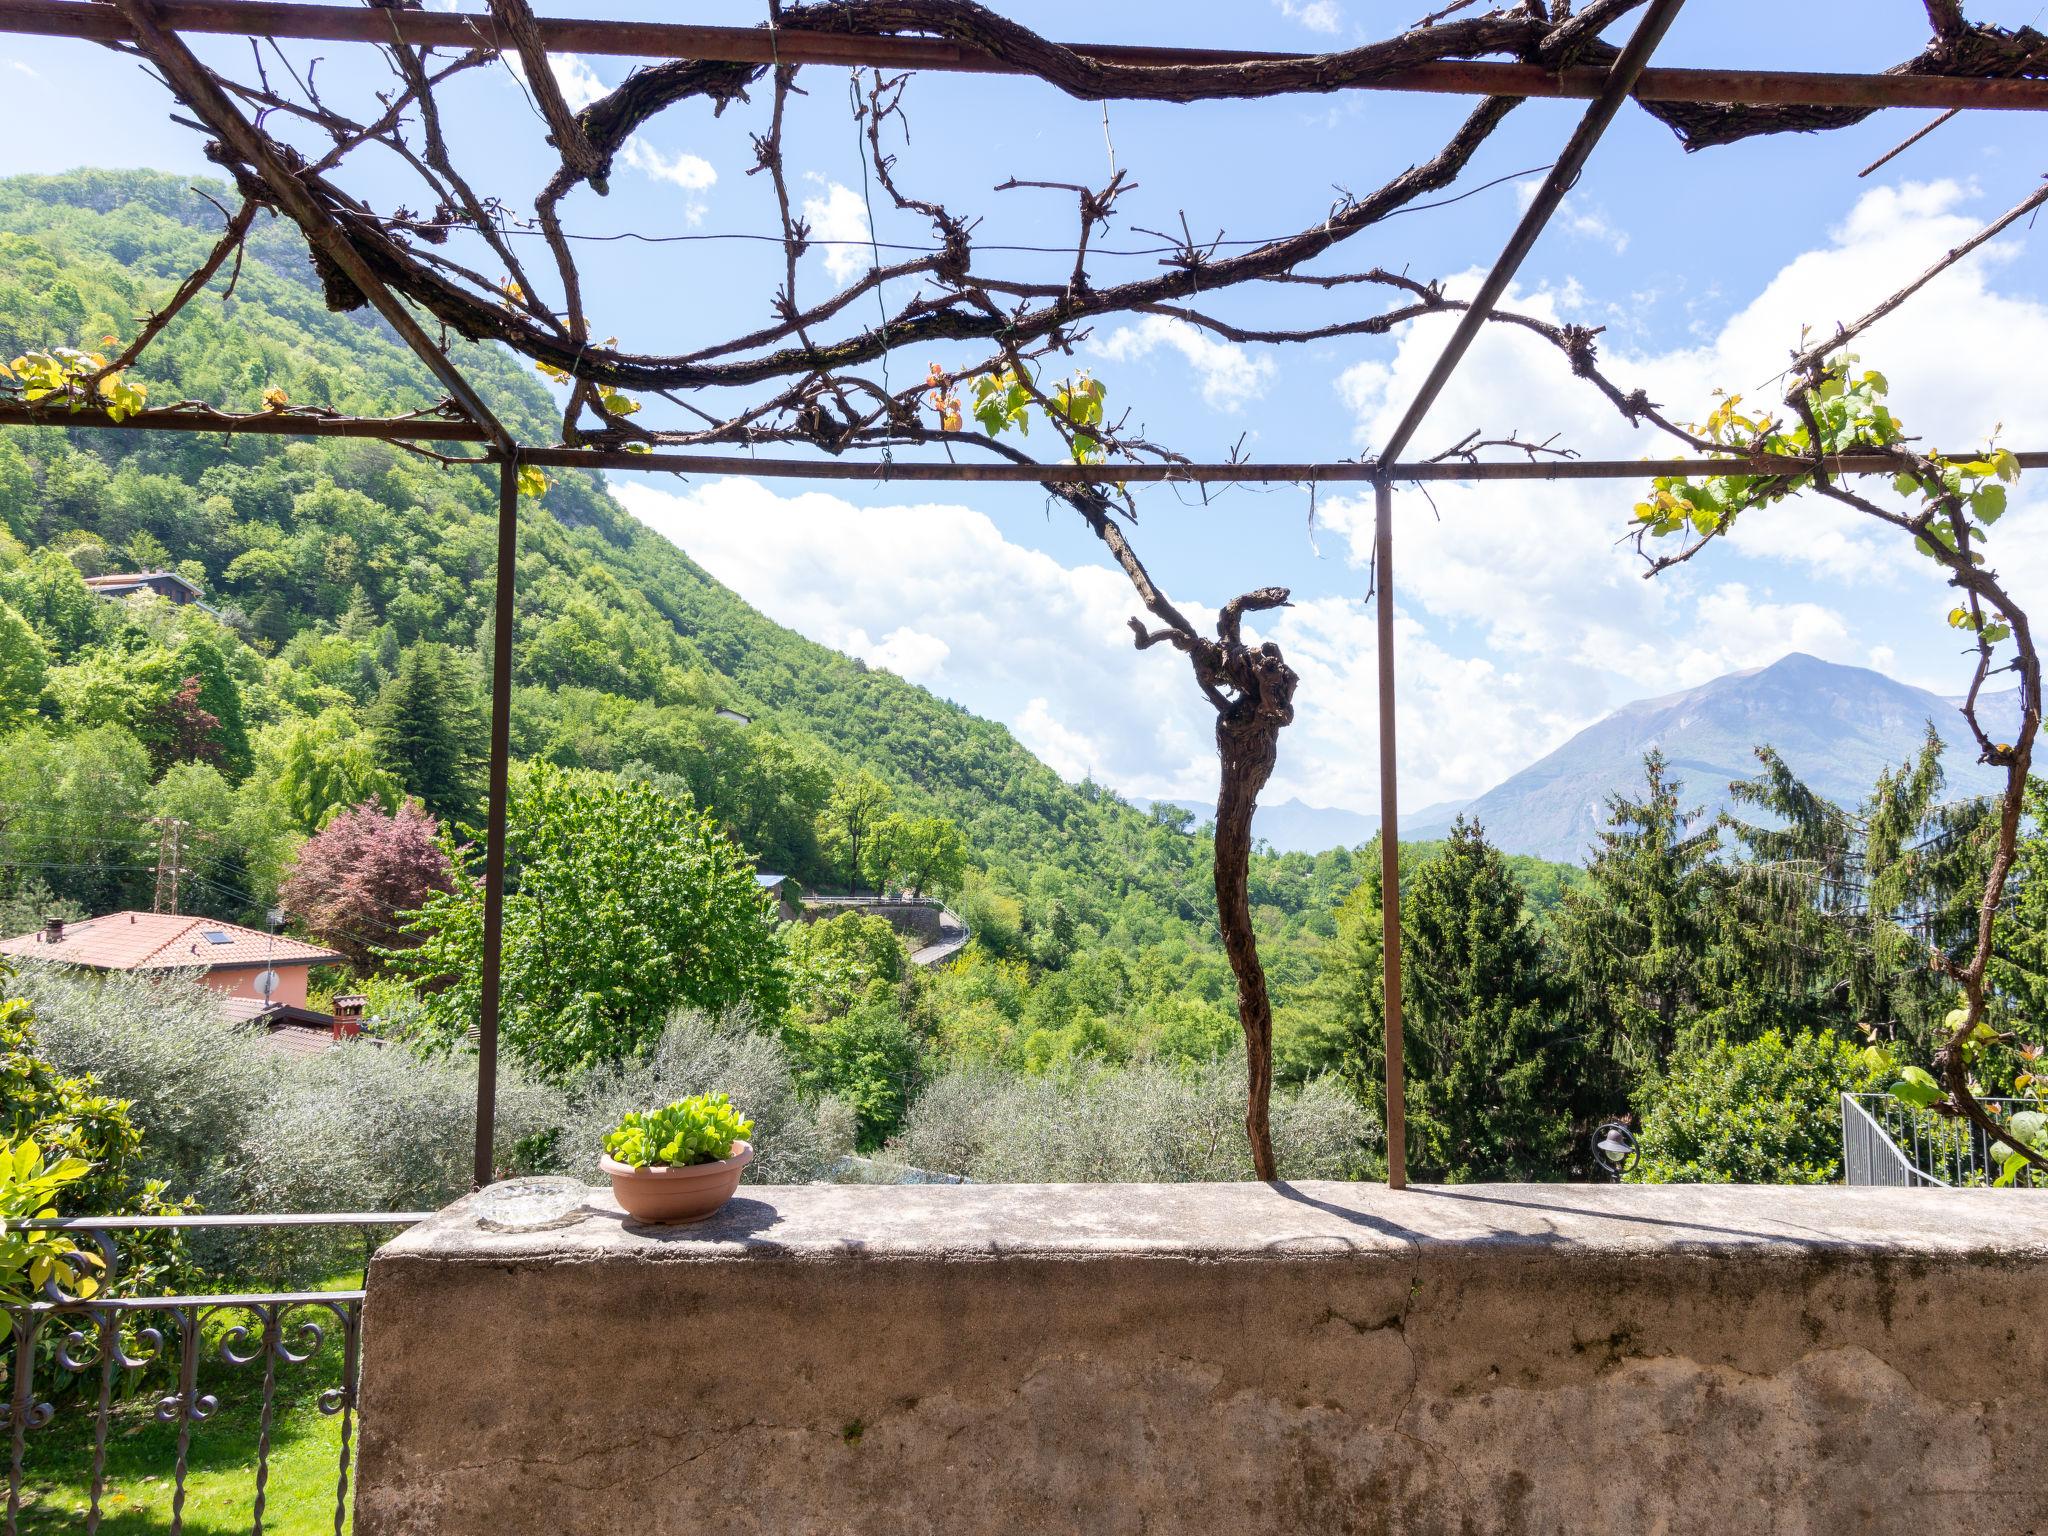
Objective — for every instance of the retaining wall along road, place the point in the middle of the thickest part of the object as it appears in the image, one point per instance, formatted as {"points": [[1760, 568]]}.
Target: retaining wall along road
{"points": [[1238, 1358]]}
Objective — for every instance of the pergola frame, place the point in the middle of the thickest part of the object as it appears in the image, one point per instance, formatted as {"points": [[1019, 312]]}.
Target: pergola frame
{"points": [[157, 23]]}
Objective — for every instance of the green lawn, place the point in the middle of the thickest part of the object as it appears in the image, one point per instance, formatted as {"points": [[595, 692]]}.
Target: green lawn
{"points": [[220, 1482], [219, 1485]]}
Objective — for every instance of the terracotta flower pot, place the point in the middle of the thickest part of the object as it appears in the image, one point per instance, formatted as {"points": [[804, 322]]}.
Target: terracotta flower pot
{"points": [[677, 1194]]}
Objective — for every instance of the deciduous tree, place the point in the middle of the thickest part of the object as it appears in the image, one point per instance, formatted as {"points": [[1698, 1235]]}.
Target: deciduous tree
{"points": [[355, 883], [622, 905]]}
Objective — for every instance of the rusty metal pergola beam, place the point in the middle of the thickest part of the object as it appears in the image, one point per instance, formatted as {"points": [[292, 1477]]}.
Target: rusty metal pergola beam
{"points": [[284, 20], [1305, 472]]}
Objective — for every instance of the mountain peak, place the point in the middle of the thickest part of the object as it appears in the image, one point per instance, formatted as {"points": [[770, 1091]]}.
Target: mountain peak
{"points": [[1838, 726]]}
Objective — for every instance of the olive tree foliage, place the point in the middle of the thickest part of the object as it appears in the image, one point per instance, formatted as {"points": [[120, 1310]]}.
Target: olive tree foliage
{"points": [[975, 332], [367, 1126], [1147, 1123]]}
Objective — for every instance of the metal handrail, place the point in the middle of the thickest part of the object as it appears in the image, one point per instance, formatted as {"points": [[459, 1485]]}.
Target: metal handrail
{"points": [[1939, 1151], [1871, 1157], [197, 1221], [111, 1341]]}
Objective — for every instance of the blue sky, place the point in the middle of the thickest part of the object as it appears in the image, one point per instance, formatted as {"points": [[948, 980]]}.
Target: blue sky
{"points": [[1520, 619]]}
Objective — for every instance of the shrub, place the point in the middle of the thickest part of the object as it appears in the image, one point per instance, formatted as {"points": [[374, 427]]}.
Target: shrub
{"points": [[796, 1137], [190, 1077], [54, 1113], [1762, 1112], [28, 1190], [1148, 1123]]}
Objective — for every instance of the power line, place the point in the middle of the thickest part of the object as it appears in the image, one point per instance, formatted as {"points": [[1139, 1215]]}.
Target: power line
{"points": [[869, 243]]}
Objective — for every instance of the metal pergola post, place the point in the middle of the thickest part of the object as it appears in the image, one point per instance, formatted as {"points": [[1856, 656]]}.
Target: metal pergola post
{"points": [[488, 981], [1396, 1112], [1621, 78]]}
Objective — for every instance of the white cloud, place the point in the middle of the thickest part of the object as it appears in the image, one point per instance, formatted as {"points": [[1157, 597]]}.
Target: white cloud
{"points": [[1069, 753], [839, 216], [25, 69], [1229, 374], [1574, 217], [911, 654], [1317, 15], [577, 81], [693, 173], [1007, 631]]}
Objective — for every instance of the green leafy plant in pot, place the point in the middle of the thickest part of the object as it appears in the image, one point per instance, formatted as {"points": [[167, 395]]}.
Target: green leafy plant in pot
{"points": [[681, 1163]]}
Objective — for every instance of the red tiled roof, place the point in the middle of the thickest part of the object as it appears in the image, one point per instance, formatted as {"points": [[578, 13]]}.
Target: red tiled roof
{"points": [[163, 941], [293, 1039]]}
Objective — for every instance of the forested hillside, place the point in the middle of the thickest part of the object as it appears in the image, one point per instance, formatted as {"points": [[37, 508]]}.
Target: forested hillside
{"points": [[332, 559], [352, 586]]}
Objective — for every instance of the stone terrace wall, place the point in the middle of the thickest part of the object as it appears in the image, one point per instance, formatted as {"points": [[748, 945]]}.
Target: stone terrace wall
{"points": [[918, 920], [1226, 1358]]}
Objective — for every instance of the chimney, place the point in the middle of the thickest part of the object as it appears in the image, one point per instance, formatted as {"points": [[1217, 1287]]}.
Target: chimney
{"points": [[348, 1015], [53, 931]]}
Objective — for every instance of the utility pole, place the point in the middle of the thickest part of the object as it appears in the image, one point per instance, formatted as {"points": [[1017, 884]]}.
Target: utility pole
{"points": [[170, 861]]}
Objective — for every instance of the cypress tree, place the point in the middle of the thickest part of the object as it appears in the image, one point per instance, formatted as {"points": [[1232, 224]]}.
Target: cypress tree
{"points": [[1488, 1070], [1488, 1099]]}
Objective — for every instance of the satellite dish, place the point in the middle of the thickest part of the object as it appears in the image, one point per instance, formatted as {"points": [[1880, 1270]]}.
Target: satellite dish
{"points": [[267, 983]]}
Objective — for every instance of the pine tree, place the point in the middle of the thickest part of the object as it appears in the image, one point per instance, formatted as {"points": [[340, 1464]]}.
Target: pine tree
{"points": [[1487, 1075], [1839, 915], [1487, 1097], [430, 728], [1638, 939]]}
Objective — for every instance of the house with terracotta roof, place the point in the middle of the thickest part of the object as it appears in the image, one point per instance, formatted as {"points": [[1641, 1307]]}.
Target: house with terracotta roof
{"points": [[245, 965]]}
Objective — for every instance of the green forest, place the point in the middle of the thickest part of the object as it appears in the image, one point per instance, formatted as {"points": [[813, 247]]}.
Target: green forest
{"points": [[321, 714]]}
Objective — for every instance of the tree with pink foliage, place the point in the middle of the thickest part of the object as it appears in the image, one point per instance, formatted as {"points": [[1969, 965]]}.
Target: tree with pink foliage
{"points": [[352, 880]]}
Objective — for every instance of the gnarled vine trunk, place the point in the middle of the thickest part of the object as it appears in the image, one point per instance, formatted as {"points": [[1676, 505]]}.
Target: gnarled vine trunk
{"points": [[1251, 689], [1247, 744]]}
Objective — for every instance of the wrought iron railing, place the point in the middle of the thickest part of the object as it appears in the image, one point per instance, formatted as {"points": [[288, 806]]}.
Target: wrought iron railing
{"points": [[90, 1361], [1887, 1142]]}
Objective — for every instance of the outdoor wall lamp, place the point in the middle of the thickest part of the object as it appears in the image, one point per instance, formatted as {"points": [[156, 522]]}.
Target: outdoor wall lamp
{"points": [[1615, 1149]]}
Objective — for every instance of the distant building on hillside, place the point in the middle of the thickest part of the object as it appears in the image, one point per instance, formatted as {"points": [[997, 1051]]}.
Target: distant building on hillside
{"points": [[782, 891], [255, 972], [168, 585], [734, 716]]}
